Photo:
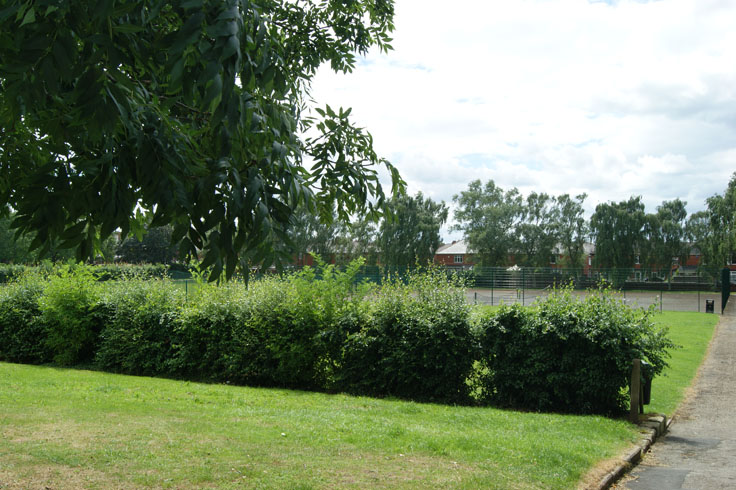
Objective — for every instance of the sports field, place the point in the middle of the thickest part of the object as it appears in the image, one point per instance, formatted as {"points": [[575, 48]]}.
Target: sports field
{"points": [[666, 300]]}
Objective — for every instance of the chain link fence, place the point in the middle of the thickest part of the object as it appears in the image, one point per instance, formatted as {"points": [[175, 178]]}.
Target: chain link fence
{"points": [[683, 289]]}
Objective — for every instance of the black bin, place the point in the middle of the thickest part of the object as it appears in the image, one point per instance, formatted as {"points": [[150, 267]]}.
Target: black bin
{"points": [[710, 305], [646, 383]]}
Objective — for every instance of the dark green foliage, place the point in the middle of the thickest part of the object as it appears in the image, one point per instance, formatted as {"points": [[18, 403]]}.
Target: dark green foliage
{"points": [[416, 344], [12, 249], [566, 354], [489, 216], [713, 231], [503, 227], [183, 113], [139, 336], [22, 333]]}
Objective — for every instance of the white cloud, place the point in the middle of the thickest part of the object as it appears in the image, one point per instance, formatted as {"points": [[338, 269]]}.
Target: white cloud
{"points": [[557, 96]]}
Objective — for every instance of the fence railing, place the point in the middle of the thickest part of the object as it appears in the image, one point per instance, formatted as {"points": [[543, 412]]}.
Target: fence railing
{"points": [[685, 289]]}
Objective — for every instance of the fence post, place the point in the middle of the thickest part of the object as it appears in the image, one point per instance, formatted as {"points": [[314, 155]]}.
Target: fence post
{"points": [[493, 281], [635, 391], [523, 288], [661, 297]]}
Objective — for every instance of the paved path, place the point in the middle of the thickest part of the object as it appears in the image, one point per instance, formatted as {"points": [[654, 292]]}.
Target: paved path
{"points": [[699, 451]]}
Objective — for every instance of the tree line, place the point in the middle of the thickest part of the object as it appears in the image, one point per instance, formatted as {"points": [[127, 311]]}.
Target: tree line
{"points": [[501, 226]]}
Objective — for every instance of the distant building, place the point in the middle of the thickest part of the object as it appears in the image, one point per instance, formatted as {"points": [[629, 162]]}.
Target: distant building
{"points": [[454, 255]]}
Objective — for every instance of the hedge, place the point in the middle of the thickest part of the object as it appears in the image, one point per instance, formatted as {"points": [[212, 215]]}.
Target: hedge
{"points": [[413, 338], [567, 353]]}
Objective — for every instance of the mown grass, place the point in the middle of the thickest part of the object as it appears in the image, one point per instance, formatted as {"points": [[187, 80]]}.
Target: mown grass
{"points": [[693, 332], [71, 428], [63, 428]]}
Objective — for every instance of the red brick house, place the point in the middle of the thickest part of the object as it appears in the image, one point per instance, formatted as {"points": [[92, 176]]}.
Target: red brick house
{"points": [[454, 255]]}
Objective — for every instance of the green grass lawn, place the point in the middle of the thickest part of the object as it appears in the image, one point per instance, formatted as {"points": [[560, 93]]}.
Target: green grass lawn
{"points": [[62, 428], [693, 332]]}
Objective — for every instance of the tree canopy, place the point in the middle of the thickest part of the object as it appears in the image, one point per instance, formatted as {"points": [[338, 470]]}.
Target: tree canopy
{"points": [[500, 225], [412, 234], [713, 230], [571, 228], [193, 113], [618, 230], [489, 216]]}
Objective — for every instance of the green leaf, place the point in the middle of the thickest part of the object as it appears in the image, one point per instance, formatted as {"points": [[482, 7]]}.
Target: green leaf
{"points": [[29, 18]]}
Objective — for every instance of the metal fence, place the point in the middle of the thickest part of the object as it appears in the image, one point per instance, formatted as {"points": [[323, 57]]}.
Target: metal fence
{"points": [[683, 289], [680, 290]]}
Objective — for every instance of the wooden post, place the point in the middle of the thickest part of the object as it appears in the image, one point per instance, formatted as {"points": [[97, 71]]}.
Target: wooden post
{"points": [[635, 391]]}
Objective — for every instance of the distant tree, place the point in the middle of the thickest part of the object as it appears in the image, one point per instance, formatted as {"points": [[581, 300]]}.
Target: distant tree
{"points": [[571, 227], [666, 235], [363, 236], [536, 231], [721, 213], [703, 237], [108, 249], [323, 236], [619, 232], [12, 249], [18, 249], [410, 232], [155, 247], [489, 218]]}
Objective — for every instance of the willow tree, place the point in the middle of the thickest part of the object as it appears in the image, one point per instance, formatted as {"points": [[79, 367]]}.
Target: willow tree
{"points": [[196, 113]]}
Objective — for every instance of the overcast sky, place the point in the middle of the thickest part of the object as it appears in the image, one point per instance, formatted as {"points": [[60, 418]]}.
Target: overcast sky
{"points": [[614, 98]]}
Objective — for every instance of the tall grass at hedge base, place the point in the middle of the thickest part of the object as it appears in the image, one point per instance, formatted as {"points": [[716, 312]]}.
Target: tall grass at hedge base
{"points": [[568, 354], [417, 342]]}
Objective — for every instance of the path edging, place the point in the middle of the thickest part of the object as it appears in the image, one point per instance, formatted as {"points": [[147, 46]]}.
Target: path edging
{"points": [[652, 426]]}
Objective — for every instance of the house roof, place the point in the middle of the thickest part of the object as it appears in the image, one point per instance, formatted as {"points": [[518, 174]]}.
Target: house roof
{"points": [[460, 247], [455, 248]]}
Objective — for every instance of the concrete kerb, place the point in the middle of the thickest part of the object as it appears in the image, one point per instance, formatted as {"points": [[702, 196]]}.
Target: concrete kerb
{"points": [[652, 426]]}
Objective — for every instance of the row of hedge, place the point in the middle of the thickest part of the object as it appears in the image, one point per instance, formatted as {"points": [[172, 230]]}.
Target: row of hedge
{"points": [[102, 272], [416, 339]]}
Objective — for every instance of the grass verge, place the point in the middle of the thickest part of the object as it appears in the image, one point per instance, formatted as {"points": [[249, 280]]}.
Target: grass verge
{"points": [[63, 428], [693, 332]]}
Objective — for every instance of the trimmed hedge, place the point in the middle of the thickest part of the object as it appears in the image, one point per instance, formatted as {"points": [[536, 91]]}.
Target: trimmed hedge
{"points": [[102, 272], [568, 354], [139, 336], [22, 331], [416, 342], [412, 338]]}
